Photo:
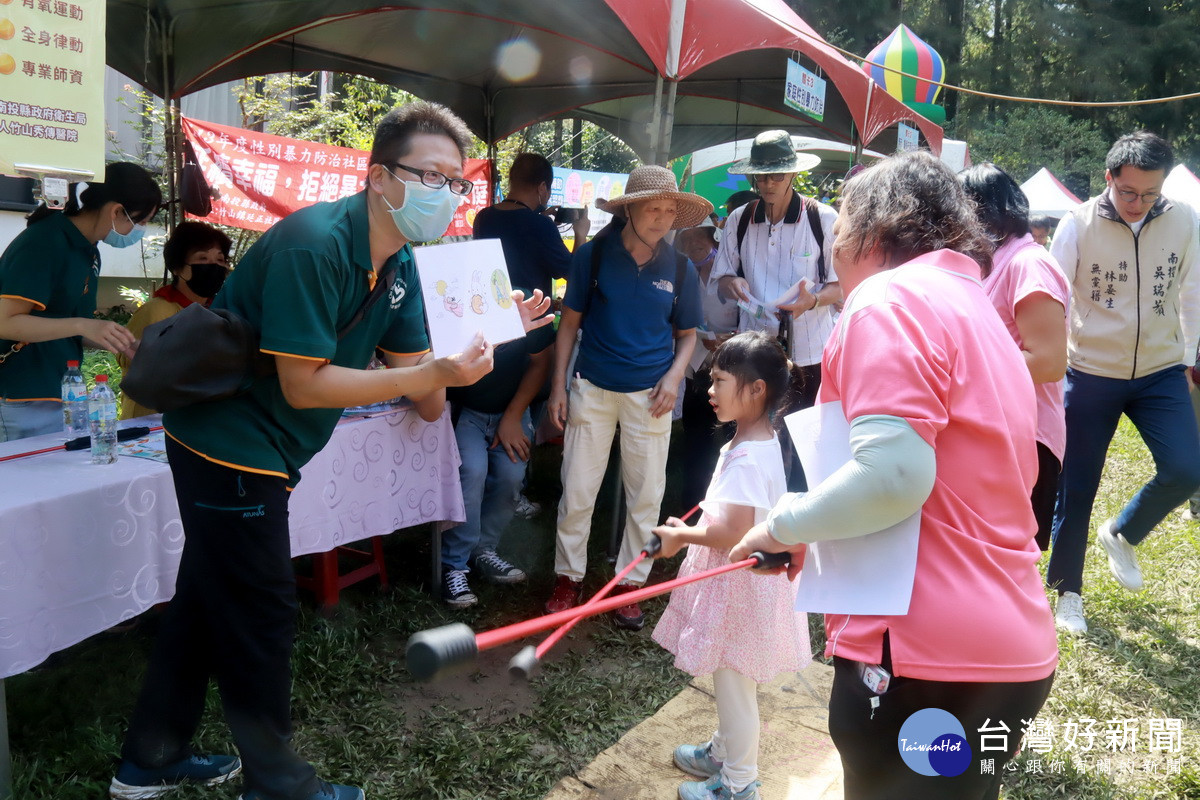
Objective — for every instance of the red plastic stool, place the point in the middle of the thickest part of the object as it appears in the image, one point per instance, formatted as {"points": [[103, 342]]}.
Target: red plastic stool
{"points": [[326, 583]]}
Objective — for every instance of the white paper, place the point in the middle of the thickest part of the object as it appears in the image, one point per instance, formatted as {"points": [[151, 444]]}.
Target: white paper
{"points": [[870, 574], [466, 290], [791, 295]]}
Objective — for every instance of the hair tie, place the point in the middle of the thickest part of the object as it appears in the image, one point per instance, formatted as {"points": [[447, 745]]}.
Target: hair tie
{"points": [[80, 188]]}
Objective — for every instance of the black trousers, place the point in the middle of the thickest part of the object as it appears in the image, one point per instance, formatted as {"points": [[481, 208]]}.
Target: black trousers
{"points": [[233, 617], [871, 761], [703, 437], [1044, 494], [802, 393]]}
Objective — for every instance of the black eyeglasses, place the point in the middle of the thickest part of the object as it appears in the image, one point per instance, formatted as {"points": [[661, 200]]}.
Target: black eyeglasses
{"points": [[1148, 198], [436, 180]]}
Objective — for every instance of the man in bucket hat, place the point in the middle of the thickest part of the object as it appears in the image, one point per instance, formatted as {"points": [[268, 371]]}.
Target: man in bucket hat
{"points": [[771, 245], [638, 305]]}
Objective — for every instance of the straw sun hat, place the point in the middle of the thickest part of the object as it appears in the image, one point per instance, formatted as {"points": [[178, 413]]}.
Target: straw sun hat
{"points": [[652, 182]]}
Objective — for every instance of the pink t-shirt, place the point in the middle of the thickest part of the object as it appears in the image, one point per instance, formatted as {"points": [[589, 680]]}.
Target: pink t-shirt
{"points": [[922, 342], [1022, 267]]}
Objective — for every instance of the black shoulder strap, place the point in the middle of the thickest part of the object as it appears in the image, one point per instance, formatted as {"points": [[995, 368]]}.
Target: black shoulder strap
{"points": [[743, 224], [594, 277], [814, 223], [383, 286]]}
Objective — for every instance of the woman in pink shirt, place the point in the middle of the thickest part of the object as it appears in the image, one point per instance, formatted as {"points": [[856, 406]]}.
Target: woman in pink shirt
{"points": [[1030, 294], [942, 421]]}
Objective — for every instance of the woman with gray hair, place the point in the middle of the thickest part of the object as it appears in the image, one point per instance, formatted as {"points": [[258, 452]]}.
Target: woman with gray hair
{"points": [[942, 418]]}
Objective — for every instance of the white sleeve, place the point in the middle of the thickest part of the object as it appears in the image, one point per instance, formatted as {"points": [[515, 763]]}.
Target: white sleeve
{"points": [[1189, 295], [889, 478], [728, 258], [1065, 248], [740, 483]]}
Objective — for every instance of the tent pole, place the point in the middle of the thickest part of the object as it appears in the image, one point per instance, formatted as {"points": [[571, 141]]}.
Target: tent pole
{"points": [[674, 46], [169, 134], [493, 177], [656, 120], [668, 124], [862, 133]]}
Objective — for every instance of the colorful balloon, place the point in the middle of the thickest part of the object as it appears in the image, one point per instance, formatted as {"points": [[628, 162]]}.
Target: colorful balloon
{"points": [[904, 50]]}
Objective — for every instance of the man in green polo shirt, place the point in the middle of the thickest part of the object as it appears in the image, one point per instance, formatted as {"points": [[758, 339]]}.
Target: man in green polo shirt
{"points": [[233, 461]]}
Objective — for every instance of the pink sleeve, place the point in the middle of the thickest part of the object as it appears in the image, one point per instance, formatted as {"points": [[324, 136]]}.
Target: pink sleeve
{"points": [[889, 362], [1032, 272]]}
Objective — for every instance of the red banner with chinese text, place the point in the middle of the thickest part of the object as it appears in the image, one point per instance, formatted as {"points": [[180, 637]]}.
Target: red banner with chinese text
{"points": [[260, 178]]}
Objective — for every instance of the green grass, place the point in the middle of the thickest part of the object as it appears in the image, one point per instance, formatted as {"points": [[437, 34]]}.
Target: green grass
{"points": [[361, 718]]}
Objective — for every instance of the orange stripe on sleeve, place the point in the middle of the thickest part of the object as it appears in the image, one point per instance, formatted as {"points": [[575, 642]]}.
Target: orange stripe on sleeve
{"points": [[40, 306], [293, 355], [393, 353]]}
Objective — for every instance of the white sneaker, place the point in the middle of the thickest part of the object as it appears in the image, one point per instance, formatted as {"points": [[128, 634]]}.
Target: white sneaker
{"points": [[1068, 614], [1122, 559]]}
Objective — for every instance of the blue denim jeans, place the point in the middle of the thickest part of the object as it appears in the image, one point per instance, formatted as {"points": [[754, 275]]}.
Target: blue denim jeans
{"points": [[490, 481], [23, 418], [1159, 407]]}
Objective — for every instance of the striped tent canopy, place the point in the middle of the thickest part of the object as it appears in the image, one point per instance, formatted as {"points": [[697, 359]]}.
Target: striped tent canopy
{"points": [[904, 50]]}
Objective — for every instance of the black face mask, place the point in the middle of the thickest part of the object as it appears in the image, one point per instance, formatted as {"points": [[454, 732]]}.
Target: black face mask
{"points": [[207, 279]]}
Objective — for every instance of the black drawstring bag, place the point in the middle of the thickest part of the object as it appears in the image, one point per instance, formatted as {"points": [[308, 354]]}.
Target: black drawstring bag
{"points": [[204, 354]]}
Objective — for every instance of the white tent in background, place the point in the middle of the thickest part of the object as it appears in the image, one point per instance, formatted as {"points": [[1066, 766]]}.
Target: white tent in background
{"points": [[1181, 185], [1048, 196]]}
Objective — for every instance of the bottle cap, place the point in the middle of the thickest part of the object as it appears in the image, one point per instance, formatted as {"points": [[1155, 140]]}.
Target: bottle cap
{"points": [[101, 379], [72, 364]]}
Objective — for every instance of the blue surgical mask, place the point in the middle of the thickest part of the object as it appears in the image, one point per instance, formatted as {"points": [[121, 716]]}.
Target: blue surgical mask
{"points": [[115, 238], [425, 213]]}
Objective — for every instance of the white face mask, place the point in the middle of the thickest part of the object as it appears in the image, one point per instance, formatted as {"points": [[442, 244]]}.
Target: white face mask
{"points": [[425, 213]]}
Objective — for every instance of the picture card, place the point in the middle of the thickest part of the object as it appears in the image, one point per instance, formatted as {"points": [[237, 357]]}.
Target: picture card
{"points": [[466, 290]]}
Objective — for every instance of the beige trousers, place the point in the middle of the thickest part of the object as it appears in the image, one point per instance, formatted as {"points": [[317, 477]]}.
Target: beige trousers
{"points": [[592, 418]]}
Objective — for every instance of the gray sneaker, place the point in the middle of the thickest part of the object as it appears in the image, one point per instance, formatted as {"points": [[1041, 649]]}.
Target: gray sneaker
{"points": [[527, 508], [696, 759], [456, 592], [715, 789], [495, 569], [1192, 512]]}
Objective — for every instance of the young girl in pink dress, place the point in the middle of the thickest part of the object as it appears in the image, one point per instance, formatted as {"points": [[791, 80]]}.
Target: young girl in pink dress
{"points": [[738, 627]]}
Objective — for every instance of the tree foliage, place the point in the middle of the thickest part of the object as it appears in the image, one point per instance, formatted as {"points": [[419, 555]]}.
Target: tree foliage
{"points": [[1057, 49]]}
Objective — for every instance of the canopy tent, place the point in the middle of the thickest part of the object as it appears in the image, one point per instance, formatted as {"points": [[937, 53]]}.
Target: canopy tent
{"points": [[1048, 196], [706, 171], [503, 66], [1183, 186]]}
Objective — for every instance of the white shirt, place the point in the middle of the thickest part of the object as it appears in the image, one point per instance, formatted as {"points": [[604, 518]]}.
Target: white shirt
{"points": [[774, 258]]}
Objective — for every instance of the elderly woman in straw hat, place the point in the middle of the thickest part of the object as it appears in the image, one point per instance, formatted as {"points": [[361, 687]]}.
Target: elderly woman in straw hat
{"points": [[638, 304]]}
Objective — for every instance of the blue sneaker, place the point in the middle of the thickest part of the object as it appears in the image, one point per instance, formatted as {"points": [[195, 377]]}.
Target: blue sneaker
{"points": [[715, 789], [134, 783], [328, 791], [696, 759]]}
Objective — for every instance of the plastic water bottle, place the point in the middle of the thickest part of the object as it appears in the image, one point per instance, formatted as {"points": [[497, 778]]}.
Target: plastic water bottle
{"points": [[102, 413], [74, 402]]}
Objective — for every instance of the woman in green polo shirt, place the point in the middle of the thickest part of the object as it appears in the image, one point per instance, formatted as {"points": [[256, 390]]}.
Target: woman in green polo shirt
{"points": [[48, 281]]}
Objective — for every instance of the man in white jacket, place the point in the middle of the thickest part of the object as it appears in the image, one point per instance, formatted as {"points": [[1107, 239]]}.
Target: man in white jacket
{"points": [[1129, 255]]}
